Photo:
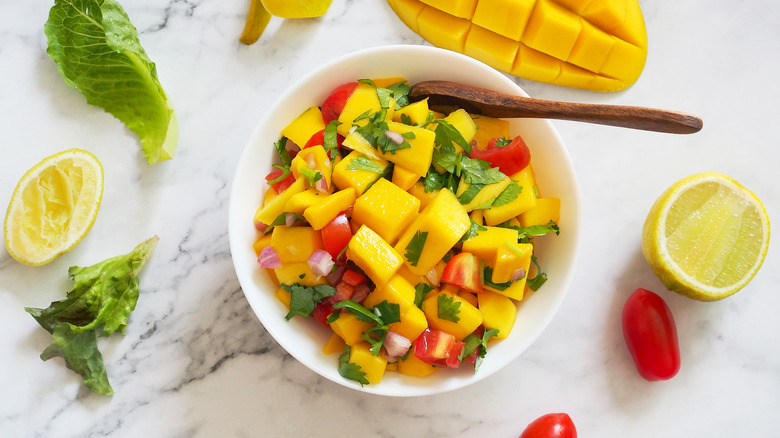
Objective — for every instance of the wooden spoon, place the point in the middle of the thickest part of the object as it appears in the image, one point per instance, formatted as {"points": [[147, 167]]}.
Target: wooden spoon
{"points": [[496, 104]]}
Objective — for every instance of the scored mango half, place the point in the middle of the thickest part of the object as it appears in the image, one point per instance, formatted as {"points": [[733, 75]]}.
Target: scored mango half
{"points": [[592, 44]]}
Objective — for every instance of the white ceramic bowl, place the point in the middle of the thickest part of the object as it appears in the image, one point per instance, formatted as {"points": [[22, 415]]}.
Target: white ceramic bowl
{"points": [[304, 338]]}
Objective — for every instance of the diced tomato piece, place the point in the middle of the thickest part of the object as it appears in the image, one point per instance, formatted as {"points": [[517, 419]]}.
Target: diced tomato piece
{"points": [[509, 159], [464, 270], [322, 311], [336, 236], [281, 185], [353, 278], [436, 346], [452, 360], [334, 104], [344, 291], [318, 139]]}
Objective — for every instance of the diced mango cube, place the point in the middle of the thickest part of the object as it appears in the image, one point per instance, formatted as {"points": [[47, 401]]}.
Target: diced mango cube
{"points": [[357, 143], [418, 191], [463, 122], [417, 158], [295, 244], [334, 345], [301, 273], [509, 258], [524, 200], [303, 200], [404, 178], [552, 29], [442, 29], [304, 126], [485, 195], [321, 213], [487, 242], [498, 312], [515, 289], [268, 213], [283, 296], [592, 48], [399, 291], [458, 8], [469, 317], [373, 366], [437, 228], [545, 210], [386, 82], [362, 99], [316, 155], [417, 112], [386, 208], [489, 128], [412, 366], [504, 17], [261, 242], [347, 174], [373, 255], [349, 328], [491, 47], [535, 65]]}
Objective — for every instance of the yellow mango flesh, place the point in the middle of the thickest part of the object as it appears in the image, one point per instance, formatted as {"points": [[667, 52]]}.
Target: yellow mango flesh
{"points": [[316, 155], [373, 366], [592, 44], [445, 221], [267, 213], [373, 255], [345, 175], [498, 312], [469, 316], [295, 244], [524, 201], [321, 213], [386, 208], [349, 328], [416, 159], [304, 126], [545, 210], [362, 99], [296, 9], [292, 273], [412, 366], [399, 291]]}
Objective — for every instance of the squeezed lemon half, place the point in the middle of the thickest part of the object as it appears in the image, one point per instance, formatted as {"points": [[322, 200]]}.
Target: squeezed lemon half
{"points": [[53, 206], [706, 236]]}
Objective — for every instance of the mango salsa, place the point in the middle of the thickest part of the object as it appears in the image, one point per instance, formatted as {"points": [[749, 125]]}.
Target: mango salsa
{"points": [[410, 247]]}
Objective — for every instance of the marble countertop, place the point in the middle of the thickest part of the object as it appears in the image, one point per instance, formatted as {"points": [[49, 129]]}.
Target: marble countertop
{"points": [[196, 362]]}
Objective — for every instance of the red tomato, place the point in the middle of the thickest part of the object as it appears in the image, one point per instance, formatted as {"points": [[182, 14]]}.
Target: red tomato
{"points": [[322, 311], [651, 335], [509, 159], [331, 108], [551, 426], [353, 278], [464, 270], [438, 348], [282, 185], [318, 138], [336, 235]]}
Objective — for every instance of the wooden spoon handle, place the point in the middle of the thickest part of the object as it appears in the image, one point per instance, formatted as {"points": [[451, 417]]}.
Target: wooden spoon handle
{"points": [[496, 104]]}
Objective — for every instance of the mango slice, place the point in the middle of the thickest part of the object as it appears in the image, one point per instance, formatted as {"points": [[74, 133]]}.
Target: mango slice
{"points": [[592, 44]]}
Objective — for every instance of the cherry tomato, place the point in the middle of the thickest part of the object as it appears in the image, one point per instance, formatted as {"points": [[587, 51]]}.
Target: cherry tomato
{"points": [[464, 270], [438, 348], [281, 185], [318, 138], [651, 335], [551, 426], [509, 159], [331, 108], [336, 235]]}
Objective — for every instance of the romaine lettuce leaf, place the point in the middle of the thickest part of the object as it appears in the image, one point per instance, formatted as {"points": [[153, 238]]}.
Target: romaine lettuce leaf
{"points": [[100, 303], [98, 52]]}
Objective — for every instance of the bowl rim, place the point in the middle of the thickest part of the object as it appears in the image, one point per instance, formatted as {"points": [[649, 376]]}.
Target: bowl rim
{"points": [[238, 245]]}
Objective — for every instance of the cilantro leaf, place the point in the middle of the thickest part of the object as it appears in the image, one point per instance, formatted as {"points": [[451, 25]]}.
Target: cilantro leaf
{"points": [[375, 132], [387, 312], [469, 194], [382, 316], [524, 234], [487, 280], [473, 231], [415, 247], [420, 291], [448, 308], [349, 370], [99, 304], [284, 154], [285, 171], [509, 194], [303, 299], [501, 142], [478, 171], [535, 283], [405, 119], [446, 134], [330, 139], [400, 92], [365, 163], [434, 181], [311, 175], [474, 343]]}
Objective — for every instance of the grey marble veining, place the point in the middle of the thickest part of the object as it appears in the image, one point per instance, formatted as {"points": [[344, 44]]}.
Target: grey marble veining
{"points": [[195, 361]]}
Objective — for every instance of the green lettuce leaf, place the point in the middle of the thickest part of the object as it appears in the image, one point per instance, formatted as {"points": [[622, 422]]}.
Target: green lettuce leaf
{"points": [[99, 304], [98, 53]]}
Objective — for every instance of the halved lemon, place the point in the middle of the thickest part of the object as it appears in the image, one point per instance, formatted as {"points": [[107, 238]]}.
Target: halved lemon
{"points": [[706, 236], [53, 206]]}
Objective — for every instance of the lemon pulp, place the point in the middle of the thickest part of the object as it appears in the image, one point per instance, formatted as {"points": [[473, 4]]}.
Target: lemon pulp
{"points": [[53, 206], [706, 236]]}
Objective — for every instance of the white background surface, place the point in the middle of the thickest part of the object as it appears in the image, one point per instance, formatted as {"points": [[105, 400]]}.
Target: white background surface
{"points": [[196, 362]]}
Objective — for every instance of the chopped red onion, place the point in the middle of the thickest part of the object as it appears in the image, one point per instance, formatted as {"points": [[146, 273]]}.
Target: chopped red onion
{"points": [[361, 292], [310, 161], [269, 258], [396, 345], [321, 185], [260, 226], [335, 275], [394, 136], [291, 146], [320, 263], [519, 274], [290, 219]]}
